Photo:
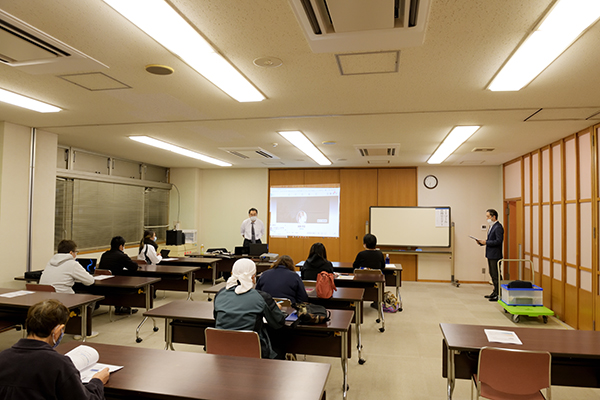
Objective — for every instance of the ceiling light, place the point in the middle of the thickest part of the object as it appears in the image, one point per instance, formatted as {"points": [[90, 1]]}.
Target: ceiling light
{"points": [[161, 22], [179, 150], [298, 139], [25, 102], [457, 136], [565, 22]]}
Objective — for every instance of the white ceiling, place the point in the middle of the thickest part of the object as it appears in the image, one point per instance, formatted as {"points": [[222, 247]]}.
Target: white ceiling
{"points": [[437, 86]]}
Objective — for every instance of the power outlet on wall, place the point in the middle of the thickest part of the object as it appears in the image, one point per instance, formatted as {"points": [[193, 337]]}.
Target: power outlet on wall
{"points": [[484, 227], [483, 270]]}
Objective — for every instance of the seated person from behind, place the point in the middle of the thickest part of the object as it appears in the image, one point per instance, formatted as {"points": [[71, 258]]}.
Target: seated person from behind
{"points": [[118, 263], [32, 369], [370, 257], [282, 281], [240, 307], [316, 262], [62, 271], [149, 249]]}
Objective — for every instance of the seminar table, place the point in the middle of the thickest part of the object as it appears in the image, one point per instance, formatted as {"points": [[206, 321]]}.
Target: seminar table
{"points": [[342, 299], [172, 277], [124, 291], [20, 304], [208, 266], [157, 374], [575, 354], [186, 321]]}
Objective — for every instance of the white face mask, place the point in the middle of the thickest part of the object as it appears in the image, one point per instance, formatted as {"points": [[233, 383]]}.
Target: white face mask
{"points": [[253, 218], [489, 221]]}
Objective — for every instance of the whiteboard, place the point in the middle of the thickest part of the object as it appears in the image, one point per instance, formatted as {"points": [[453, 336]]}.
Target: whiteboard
{"points": [[411, 226]]}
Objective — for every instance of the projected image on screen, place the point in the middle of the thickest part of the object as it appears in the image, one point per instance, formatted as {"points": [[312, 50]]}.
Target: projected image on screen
{"points": [[305, 211]]}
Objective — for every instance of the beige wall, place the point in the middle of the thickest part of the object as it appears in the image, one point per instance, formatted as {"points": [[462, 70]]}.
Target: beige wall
{"points": [[14, 193], [469, 191]]}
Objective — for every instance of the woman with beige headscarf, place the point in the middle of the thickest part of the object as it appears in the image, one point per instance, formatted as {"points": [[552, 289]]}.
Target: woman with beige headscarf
{"points": [[241, 307]]}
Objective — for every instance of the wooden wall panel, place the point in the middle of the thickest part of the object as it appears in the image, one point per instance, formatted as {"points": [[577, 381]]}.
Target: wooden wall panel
{"points": [[286, 177], [294, 247], [558, 299], [321, 176], [547, 293], [571, 305], [397, 187], [585, 321], [358, 193]]}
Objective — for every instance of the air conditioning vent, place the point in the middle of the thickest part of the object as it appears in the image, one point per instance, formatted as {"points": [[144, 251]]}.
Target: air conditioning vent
{"points": [[483, 149], [333, 26], [26, 48], [250, 153], [379, 150]]}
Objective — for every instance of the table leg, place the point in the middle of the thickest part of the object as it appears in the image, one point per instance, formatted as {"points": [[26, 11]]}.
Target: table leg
{"points": [[345, 362], [168, 334], [84, 317], [214, 273], [397, 273], [451, 372], [148, 291], [190, 277], [358, 311], [380, 306]]}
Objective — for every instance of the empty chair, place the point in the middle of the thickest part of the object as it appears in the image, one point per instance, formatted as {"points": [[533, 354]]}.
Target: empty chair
{"points": [[512, 374], [232, 343], [40, 288]]}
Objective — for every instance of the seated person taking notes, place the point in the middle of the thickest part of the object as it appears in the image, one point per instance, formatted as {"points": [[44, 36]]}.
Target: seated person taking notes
{"points": [[118, 263], [240, 307], [62, 271], [31, 369], [149, 249], [316, 262], [370, 257], [282, 281]]}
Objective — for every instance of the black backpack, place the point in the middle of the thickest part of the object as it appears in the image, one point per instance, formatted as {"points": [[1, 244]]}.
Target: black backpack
{"points": [[311, 314]]}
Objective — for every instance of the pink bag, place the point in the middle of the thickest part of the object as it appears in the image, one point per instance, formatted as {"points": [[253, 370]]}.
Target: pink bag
{"points": [[325, 285]]}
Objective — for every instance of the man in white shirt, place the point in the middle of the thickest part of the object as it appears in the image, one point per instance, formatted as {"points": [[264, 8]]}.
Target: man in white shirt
{"points": [[62, 271], [252, 228]]}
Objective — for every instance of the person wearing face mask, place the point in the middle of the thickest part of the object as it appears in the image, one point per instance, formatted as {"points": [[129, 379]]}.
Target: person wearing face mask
{"points": [[149, 249], [31, 369], [252, 228], [493, 249]]}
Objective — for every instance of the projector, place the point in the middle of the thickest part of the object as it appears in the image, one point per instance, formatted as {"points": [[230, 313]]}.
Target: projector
{"points": [[268, 256]]}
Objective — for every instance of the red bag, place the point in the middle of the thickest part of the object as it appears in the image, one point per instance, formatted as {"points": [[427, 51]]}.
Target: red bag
{"points": [[325, 285]]}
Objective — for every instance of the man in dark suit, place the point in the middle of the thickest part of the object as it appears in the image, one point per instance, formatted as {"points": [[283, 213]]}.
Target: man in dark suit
{"points": [[493, 249]]}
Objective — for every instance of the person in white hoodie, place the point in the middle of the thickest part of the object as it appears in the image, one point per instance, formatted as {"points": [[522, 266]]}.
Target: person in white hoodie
{"points": [[62, 271]]}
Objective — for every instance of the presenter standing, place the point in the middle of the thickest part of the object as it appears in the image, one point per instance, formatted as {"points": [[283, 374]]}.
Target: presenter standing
{"points": [[252, 228], [493, 249]]}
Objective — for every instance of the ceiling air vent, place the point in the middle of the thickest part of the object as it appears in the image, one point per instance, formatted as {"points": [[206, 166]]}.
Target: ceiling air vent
{"points": [[378, 150], [334, 26], [483, 149], [250, 153], [30, 50]]}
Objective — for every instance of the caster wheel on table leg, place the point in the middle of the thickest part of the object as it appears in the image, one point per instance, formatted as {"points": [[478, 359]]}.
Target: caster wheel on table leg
{"points": [[516, 319], [381, 329], [362, 361], [545, 318], [155, 329], [138, 340], [209, 299], [378, 320]]}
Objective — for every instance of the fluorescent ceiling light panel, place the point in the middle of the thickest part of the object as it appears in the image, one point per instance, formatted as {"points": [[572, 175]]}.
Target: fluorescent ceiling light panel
{"points": [[567, 20], [457, 136], [298, 139], [25, 102], [161, 22], [179, 150]]}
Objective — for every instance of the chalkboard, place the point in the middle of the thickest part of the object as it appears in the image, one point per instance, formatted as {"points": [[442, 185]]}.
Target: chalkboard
{"points": [[411, 226]]}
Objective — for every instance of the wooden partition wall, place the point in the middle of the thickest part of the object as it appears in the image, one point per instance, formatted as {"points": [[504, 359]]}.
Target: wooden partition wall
{"points": [[560, 208], [360, 188]]}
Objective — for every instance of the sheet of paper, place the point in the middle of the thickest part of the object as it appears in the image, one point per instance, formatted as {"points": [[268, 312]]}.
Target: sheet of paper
{"points": [[169, 259], [473, 237], [345, 277], [87, 374], [102, 277], [390, 266], [442, 217], [498, 336], [16, 294]]}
